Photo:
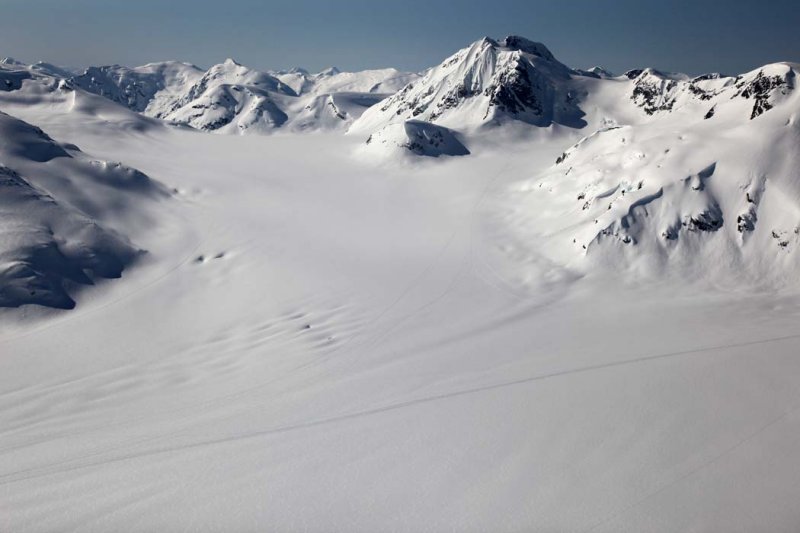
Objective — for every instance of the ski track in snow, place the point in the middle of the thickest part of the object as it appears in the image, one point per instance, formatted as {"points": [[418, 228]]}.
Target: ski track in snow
{"points": [[14, 477]]}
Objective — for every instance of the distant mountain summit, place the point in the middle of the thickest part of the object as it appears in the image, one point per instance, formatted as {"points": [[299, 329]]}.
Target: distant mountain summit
{"points": [[232, 98], [229, 96], [138, 88]]}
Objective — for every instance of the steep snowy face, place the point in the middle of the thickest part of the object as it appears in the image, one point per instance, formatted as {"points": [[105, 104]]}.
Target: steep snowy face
{"points": [[488, 82], [330, 111], [57, 204], [706, 187], [140, 87]]}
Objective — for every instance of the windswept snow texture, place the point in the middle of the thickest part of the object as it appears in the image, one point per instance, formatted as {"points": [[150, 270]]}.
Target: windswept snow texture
{"points": [[589, 323], [51, 197]]}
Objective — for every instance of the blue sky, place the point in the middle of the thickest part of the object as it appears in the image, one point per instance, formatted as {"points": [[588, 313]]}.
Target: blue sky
{"points": [[679, 35]]}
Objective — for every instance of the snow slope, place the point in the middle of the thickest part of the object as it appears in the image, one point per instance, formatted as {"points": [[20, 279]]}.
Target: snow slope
{"points": [[414, 137], [707, 187], [54, 199], [150, 86], [332, 100]]}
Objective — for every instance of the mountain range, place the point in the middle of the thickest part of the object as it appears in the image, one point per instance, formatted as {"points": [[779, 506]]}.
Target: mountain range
{"points": [[658, 170]]}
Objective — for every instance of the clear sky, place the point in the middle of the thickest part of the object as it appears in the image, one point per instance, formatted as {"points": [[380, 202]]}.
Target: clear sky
{"points": [[692, 36]]}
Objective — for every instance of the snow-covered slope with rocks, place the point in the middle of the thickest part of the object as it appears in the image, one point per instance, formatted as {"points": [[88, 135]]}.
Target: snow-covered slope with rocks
{"points": [[703, 185], [140, 88], [667, 174], [229, 98], [55, 201], [333, 100]]}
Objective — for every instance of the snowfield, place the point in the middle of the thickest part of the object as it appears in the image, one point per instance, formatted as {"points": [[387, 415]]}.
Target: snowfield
{"points": [[583, 318]]}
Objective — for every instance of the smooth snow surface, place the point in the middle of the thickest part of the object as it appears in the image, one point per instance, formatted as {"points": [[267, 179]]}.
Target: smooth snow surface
{"points": [[584, 329], [317, 345]]}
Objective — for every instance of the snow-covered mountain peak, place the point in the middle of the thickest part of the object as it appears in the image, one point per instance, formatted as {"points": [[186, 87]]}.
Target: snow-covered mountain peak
{"points": [[136, 88], [232, 73], [487, 82], [229, 97]]}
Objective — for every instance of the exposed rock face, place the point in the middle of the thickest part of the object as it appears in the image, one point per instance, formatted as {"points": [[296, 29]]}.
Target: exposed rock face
{"points": [[656, 92], [762, 87]]}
